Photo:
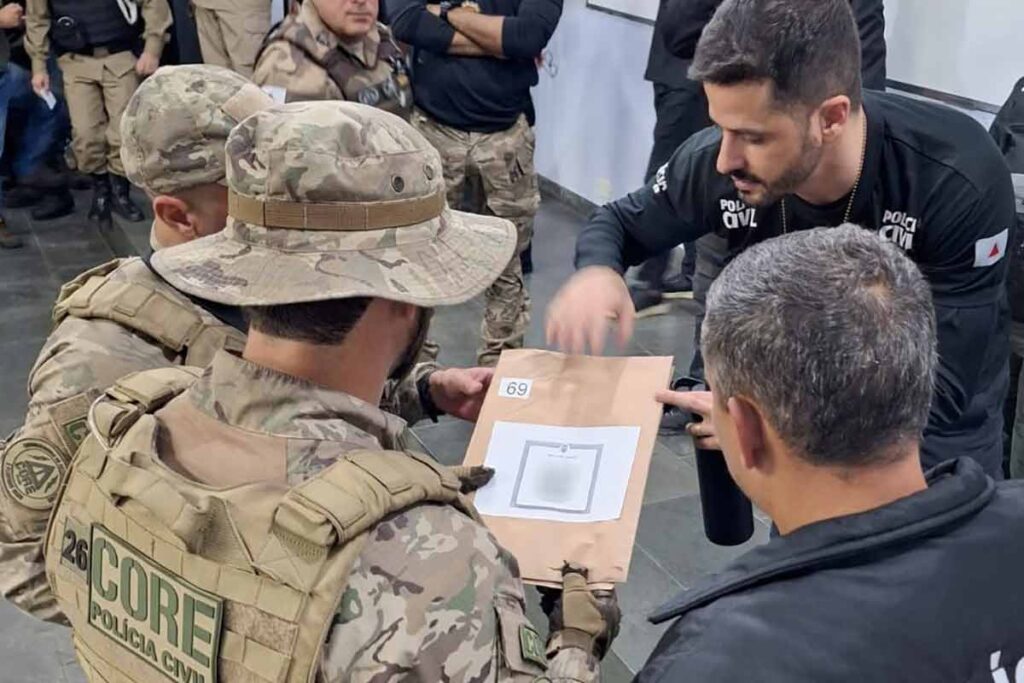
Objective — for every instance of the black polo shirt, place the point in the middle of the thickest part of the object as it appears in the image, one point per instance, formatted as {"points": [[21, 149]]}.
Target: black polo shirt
{"points": [[933, 183], [478, 94]]}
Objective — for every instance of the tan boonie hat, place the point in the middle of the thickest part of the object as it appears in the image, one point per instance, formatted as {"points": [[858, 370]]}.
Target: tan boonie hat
{"points": [[331, 200], [176, 123]]}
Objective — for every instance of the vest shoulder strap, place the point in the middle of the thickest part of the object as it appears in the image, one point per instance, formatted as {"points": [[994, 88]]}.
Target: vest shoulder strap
{"points": [[341, 503], [135, 395], [141, 307]]}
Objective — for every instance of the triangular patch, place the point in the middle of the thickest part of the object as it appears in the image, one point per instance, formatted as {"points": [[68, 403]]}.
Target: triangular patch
{"points": [[989, 251], [34, 475]]}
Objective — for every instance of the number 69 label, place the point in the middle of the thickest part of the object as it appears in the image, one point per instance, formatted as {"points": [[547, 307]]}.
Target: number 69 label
{"points": [[512, 387]]}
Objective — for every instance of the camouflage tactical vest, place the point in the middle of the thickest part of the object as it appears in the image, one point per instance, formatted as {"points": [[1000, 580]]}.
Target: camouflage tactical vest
{"points": [[140, 306], [166, 579], [137, 304], [386, 85]]}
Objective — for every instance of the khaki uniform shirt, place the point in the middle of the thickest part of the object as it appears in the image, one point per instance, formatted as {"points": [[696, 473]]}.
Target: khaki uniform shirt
{"points": [[155, 14], [432, 593], [235, 5]]}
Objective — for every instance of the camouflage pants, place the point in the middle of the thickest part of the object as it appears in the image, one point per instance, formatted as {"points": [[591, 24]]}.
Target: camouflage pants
{"points": [[504, 163]]}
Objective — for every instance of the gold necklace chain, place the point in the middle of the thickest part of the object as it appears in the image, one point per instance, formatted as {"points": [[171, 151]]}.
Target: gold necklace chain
{"points": [[856, 183]]}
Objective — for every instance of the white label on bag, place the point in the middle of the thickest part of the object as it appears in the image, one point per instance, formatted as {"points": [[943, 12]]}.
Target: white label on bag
{"points": [[512, 387]]}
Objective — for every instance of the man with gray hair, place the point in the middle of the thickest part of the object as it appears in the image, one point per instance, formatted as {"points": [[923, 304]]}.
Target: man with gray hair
{"points": [[820, 348]]}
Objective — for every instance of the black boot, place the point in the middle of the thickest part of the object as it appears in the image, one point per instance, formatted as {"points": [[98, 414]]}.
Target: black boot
{"points": [[100, 209], [55, 205], [21, 197], [79, 181], [122, 204]]}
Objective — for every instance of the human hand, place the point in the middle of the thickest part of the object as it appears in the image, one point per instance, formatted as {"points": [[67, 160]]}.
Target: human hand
{"points": [[460, 392], [581, 311], [580, 617], [434, 9], [11, 16], [146, 64], [41, 83], [698, 403]]}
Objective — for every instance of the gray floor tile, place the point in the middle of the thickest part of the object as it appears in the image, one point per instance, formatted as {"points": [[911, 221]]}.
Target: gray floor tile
{"points": [[648, 587], [447, 440], [672, 533], [670, 476], [26, 264], [33, 651], [614, 670]]}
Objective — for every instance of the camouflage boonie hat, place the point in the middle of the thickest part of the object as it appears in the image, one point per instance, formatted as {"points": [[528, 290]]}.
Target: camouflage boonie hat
{"points": [[331, 200], [176, 123]]}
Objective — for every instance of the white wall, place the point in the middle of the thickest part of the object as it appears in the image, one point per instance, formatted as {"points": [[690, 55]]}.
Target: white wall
{"points": [[595, 117], [971, 48]]}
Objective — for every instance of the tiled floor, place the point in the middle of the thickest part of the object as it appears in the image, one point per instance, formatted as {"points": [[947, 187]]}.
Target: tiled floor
{"points": [[670, 553]]}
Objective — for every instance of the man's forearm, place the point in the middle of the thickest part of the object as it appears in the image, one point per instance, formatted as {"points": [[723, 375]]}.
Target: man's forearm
{"points": [[156, 15], [462, 46], [483, 29], [37, 34]]}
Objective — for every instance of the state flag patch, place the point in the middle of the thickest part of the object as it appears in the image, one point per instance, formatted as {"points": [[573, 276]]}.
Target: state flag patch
{"points": [[990, 250]]}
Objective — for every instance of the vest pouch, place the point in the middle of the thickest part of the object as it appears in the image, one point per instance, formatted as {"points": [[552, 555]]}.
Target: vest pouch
{"points": [[68, 35]]}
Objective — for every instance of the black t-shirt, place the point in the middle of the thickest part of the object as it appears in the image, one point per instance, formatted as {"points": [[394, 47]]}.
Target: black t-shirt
{"points": [[933, 183], [479, 94]]}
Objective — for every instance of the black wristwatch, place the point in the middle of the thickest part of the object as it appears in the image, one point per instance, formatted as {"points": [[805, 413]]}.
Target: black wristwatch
{"points": [[447, 6], [430, 408]]}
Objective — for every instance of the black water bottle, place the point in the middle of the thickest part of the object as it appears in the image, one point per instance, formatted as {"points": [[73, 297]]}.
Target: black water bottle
{"points": [[728, 515]]}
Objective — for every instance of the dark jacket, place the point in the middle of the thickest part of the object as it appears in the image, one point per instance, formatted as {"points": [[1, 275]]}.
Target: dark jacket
{"points": [[680, 23], [923, 589], [870, 15], [1008, 132], [676, 30]]}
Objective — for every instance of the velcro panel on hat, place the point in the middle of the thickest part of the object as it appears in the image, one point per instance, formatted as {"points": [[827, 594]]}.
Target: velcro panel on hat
{"points": [[247, 101], [340, 216]]}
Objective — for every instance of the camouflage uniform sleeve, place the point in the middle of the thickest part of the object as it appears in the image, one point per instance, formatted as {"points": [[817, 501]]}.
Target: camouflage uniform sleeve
{"points": [[402, 397], [80, 359], [37, 33], [285, 66], [433, 597], [157, 17]]}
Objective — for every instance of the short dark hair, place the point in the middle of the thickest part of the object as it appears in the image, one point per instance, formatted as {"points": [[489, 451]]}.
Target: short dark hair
{"points": [[316, 322], [832, 333], [808, 49]]}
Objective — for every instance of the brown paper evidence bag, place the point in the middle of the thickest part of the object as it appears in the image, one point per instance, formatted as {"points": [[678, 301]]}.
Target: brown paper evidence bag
{"points": [[574, 391]]}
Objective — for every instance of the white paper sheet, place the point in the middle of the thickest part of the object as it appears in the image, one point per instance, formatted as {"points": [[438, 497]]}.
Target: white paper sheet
{"points": [[564, 474]]}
